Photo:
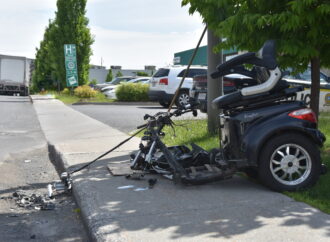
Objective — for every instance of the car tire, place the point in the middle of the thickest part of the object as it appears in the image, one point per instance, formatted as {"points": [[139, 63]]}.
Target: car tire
{"points": [[165, 104], [289, 162], [182, 99], [203, 108]]}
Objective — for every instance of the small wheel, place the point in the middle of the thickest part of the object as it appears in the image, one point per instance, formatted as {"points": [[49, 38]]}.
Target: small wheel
{"points": [[289, 162], [182, 99], [165, 104]]}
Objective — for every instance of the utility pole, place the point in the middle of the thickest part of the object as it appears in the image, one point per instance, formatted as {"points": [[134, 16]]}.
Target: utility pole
{"points": [[214, 86]]}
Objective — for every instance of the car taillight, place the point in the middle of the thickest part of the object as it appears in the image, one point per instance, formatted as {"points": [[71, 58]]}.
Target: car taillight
{"points": [[228, 83], [163, 81], [304, 114]]}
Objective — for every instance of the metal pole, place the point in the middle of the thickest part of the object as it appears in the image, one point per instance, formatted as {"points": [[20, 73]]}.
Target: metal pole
{"points": [[187, 70], [214, 86]]}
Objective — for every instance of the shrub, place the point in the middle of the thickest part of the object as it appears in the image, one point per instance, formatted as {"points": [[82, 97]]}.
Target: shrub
{"points": [[66, 91], [142, 73], [84, 92], [92, 82], [132, 92]]}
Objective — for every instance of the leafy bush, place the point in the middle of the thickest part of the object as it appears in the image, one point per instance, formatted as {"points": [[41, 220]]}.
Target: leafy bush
{"points": [[65, 91], [132, 92], [84, 92], [92, 82], [142, 73]]}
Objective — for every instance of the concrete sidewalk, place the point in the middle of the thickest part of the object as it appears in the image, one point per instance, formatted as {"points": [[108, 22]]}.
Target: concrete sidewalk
{"points": [[232, 210]]}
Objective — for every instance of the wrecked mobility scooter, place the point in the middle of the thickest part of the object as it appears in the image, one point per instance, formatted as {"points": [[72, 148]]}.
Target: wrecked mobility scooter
{"points": [[262, 132]]}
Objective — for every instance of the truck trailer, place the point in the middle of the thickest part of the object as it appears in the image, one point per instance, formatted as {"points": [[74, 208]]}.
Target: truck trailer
{"points": [[14, 75]]}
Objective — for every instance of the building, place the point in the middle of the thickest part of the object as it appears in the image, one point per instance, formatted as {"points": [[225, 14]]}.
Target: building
{"points": [[183, 57], [99, 73]]}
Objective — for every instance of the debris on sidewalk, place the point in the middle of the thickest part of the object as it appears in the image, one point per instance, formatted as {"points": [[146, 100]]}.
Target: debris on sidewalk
{"points": [[152, 182], [65, 185], [124, 169], [125, 187], [139, 189], [27, 161], [33, 201]]}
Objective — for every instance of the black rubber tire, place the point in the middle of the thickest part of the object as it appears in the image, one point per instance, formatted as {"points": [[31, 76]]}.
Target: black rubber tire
{"points": [[165, 104], [264, 171], [252, 172], [203, 108], [182, 94]]}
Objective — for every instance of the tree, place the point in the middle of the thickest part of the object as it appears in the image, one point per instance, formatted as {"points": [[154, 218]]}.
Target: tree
{"points": [[69, 27], [43, 75], [119, 74], [301, 28], [109, 76], [142, 73]]}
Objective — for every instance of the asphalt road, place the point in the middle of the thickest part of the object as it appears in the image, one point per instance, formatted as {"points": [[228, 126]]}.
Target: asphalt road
{"points": [[124, 117], [26, 169]]}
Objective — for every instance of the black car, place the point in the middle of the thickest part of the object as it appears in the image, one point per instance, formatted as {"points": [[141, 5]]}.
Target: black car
{"points": [[231, 83]]}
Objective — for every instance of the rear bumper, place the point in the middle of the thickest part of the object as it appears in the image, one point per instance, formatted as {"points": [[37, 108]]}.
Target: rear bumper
{"points": [[159, 96]]}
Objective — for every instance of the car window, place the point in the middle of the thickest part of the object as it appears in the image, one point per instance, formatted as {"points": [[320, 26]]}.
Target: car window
{"points": [[193, 72], [161, 72], [143, 80], [323, 78], [306, 75], [118, 80], [115, 81]]}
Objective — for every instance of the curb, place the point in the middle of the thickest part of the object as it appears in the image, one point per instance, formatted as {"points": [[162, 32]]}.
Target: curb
{"points": [[117, 103], [60, 163]]}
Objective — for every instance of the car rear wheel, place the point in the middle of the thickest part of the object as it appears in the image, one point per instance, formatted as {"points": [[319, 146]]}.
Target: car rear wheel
{"points": [[289, 162], [183, 99]]}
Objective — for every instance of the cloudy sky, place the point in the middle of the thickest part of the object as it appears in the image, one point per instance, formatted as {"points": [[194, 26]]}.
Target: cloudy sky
{"points": [[129, 33]]}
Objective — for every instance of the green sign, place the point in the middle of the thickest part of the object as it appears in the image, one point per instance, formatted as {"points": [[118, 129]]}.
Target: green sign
{"points": [[71, 65]]}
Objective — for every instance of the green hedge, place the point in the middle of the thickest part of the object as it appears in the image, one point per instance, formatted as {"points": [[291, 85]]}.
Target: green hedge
{"points": [[132, 92]]}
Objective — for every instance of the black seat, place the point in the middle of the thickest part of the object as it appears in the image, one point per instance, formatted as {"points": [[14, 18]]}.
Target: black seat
{"points": [[230, 99], [223, 101]]}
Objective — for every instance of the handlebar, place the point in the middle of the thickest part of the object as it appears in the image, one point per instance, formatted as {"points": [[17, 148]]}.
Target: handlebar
{"points": [[176, 113]]}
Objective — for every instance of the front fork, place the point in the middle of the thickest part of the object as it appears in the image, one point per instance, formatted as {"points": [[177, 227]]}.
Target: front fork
{"points": [[148, 157], [177, 168]]}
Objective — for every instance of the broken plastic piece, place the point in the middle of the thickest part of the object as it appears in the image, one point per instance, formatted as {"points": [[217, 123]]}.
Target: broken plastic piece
{"points": [[141, 189], [125, 187]]}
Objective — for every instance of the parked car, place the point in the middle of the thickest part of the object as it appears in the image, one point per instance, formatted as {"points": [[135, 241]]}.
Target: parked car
{"points": [[114, 81], [110, 91], [165, 81], [144, 80], [231, 83], [305, 79]]}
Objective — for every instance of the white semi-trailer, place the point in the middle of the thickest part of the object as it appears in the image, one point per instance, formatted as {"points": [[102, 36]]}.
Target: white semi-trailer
{"points": [[14, 75]]}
